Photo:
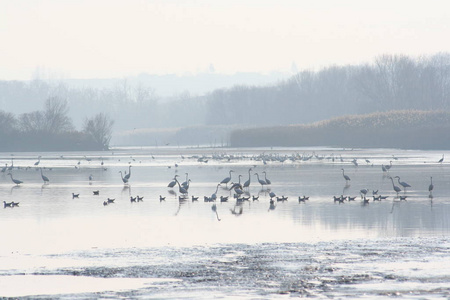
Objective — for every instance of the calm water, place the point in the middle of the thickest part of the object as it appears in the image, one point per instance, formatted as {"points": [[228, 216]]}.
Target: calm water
{"points": [[54, 245]]}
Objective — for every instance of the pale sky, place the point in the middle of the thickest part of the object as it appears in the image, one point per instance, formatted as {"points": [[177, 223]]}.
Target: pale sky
{"points": [[112, 38]]}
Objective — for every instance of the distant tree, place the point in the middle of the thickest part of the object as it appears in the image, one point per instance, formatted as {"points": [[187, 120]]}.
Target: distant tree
{"points": [[56, 115], [100, 128], [33, 122], [7, 122]]}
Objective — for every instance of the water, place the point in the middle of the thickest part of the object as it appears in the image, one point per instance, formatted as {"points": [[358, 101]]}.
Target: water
{"points": [[54, 245]]}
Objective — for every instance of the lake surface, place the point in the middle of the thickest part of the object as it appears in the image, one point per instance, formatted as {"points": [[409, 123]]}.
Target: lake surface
{"points": [[57, 246]]}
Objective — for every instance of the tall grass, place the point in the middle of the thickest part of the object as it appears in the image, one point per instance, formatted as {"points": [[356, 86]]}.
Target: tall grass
{"points": [[409, 129]]}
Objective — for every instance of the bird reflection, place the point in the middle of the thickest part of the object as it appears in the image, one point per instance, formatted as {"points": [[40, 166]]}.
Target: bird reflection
{"points": [[237, 210], [14, 188], [272, 205]]}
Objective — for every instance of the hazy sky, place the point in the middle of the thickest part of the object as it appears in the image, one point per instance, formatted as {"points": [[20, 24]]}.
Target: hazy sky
{"points": [[112, 38]]}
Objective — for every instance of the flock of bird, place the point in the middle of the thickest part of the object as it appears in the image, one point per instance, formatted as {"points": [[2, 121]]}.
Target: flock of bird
{"points": [[241, 190]]}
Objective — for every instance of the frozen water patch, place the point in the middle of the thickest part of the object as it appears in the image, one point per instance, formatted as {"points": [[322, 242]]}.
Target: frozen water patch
{"points": [[37, 285]]}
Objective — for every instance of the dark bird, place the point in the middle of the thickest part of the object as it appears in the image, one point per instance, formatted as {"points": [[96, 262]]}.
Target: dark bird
{"points": [[75, 195], [7, 204], [110, 200], [161, 198], [139, 199], [194, 198], [96, 193], [255, 198], [132, 199]]}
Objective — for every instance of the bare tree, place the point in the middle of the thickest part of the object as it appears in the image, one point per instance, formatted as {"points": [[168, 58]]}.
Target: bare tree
{"points": [[100, 128], [33, 122], [7, 122], [56, 116]]}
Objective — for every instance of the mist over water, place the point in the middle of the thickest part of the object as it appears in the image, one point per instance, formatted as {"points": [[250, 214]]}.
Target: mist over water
{"points": [[319, 247]]}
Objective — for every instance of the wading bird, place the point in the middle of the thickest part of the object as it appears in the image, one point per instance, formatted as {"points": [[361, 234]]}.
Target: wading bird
{"points": [[125, 181], [402, 183], [227, 179], [347, 179], [16, 181], [265, 178], [396, 188], [261, 182], [431, 186], [44, 178]]}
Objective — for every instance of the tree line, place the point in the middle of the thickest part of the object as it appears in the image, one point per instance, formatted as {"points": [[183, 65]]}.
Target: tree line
{"points": [[52, 129], [389, 82]]}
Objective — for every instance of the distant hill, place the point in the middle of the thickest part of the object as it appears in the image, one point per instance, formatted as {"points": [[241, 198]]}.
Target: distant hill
{"points": [[407, 129]]}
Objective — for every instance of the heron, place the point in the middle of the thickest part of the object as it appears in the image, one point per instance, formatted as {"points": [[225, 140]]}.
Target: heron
{"points": [[402, 183], [214, 195], [388, 167], [127, 176], [39, 160], [441, 160], [227, 179], [181, 189], [261, 182], [173, 182], [186, 182], [234, 185], [247, 183], [431, 186], [45, 178], [16, 181], [347, 179], [396, 188], [265, 178], [125, 180]]}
